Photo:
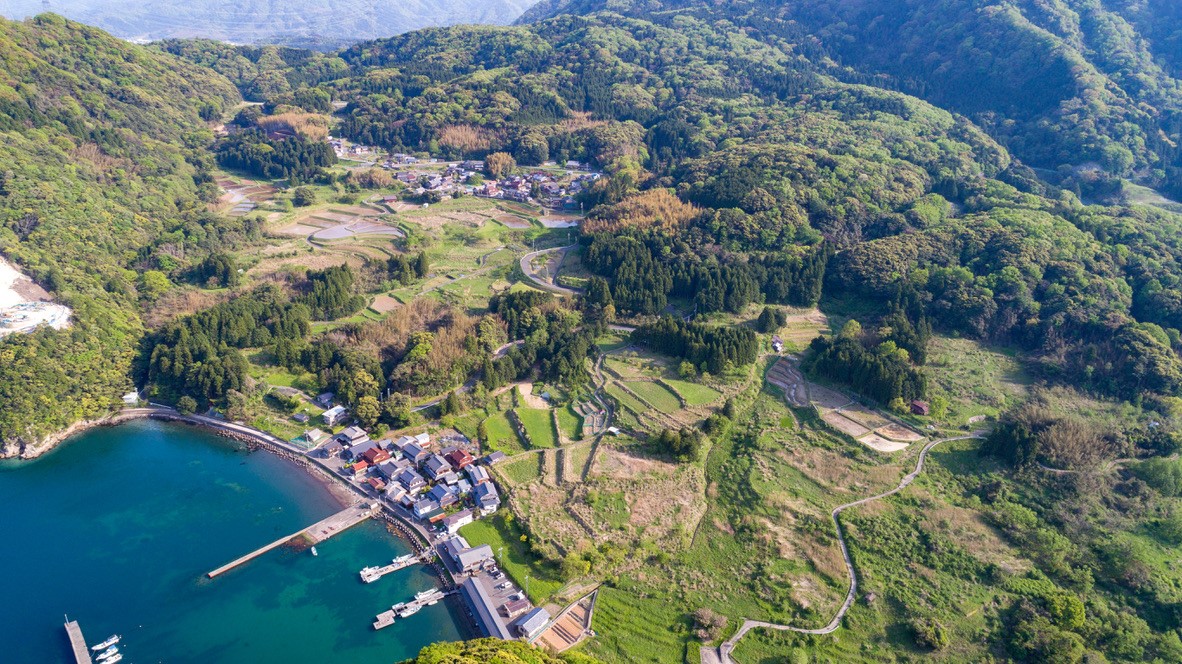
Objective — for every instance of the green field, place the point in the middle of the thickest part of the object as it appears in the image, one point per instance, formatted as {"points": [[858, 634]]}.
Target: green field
{"points": [[514, 555], [624, 399], [537, 423], [570, 423], [523, 470], [693, 393], [634, 629], [501, 436], [656, 394]]}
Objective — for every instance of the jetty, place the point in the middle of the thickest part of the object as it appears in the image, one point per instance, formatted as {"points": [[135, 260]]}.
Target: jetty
{"points": [[408, 609], [315, 534], [371, 574], [77, 642]]}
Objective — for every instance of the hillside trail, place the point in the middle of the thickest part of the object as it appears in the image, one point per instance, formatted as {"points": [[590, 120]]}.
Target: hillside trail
{"points": [[722, 654]]}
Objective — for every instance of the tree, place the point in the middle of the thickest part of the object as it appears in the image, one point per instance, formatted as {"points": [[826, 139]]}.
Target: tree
{"points": [[303, 196], [452, 405], [368, 411], [499, 165], [186, 405], [154, 284], [397, 409]]}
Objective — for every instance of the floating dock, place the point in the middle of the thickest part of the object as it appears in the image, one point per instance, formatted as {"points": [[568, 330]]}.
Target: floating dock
{"points": [[77, 642], [407, 609], [316, 533], [371, 574]]}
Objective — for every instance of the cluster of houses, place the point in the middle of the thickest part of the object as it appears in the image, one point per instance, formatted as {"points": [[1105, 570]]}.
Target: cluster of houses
{"points": [[447, 487], [543, 187]]}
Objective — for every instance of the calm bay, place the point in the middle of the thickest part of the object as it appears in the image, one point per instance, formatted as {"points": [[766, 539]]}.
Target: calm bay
{"points": [[118, 526]]}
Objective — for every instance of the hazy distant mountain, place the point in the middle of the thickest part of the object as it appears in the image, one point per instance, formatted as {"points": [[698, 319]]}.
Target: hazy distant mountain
{"points": [[308, 23]]}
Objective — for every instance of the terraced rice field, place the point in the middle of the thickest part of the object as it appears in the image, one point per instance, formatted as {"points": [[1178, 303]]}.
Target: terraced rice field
{"points": [[656, 394], [864, 416], [570, 423], [522, 470], [847, 426], [537, 423], [624, 399], [501, 435], [693, 393]]}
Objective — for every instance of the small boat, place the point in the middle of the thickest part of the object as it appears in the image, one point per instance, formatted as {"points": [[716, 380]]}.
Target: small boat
{"points": [[398, 607], [116, 658], [315, 552], [109, 652], [114, 638], [409, 611], [425, 594]]}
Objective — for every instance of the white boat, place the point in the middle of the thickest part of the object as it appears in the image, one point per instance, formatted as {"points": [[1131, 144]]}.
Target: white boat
{"points": [[109, 652], [409, 611], [107, 644], [314, 552], [116, 658], [425, 594], [398, 607]]}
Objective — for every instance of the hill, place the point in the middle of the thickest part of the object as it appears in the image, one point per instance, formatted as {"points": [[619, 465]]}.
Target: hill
{"points": [[102, 167], [320, 25], [1086, 87]]}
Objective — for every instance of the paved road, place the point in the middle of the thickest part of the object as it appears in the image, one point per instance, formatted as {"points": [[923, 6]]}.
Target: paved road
{"points": [[723, 652], [528, 270]]}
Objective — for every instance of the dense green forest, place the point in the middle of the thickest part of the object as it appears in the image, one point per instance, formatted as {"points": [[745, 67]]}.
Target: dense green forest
{"points": [[102, 151]]}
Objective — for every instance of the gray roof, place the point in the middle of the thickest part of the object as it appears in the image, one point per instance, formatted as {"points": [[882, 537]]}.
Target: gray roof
{"points": [[485, 492], [532, 622], [473, 557], [484, 610], [409, 478], [413, 451]]}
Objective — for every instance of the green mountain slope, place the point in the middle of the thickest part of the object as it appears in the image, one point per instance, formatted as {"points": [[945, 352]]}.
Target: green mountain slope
{"points": [[1069, 82], [101, 159]]}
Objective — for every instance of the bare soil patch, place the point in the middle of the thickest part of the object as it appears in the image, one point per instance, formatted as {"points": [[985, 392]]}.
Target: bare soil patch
{"points": [[880, 444], [898, 432], [843, 424]]}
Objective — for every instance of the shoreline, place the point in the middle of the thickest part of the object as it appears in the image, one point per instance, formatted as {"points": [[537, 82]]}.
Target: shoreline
{"points": [[344, 493]]}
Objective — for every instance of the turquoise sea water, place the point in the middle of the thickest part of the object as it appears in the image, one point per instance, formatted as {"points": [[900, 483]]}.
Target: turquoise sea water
{"points": [[118, 527]]}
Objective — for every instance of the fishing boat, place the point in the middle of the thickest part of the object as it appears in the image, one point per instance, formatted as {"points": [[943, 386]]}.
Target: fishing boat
{"points": [[425, 594], [315, 552], [106, 644], [116, 658], [409, 611], [108, 653]]}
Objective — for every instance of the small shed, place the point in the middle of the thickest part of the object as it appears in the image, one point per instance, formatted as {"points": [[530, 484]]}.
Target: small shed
{"points": [[920, 408]]}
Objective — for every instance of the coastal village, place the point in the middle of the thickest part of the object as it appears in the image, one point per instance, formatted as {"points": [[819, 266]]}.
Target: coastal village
{"points": [[434, 486]]}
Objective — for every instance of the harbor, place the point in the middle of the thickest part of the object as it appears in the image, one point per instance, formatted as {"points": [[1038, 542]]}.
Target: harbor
{"points": [[371, 574], [407, 609], [315, 534]]}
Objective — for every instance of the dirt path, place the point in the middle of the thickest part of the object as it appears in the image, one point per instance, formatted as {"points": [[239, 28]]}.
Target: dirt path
{"points": [[723, 652]]}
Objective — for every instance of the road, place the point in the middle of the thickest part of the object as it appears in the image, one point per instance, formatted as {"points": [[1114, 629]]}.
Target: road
{"points": [[527, 269], [723, 652]]}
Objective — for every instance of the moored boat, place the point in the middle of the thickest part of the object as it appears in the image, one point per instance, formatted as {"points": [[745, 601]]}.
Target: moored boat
{"points": [[112, 640], [108, 654]]}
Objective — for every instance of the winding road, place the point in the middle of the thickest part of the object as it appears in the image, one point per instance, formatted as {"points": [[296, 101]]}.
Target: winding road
{"points": [[528, 270], [723, 652]]}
